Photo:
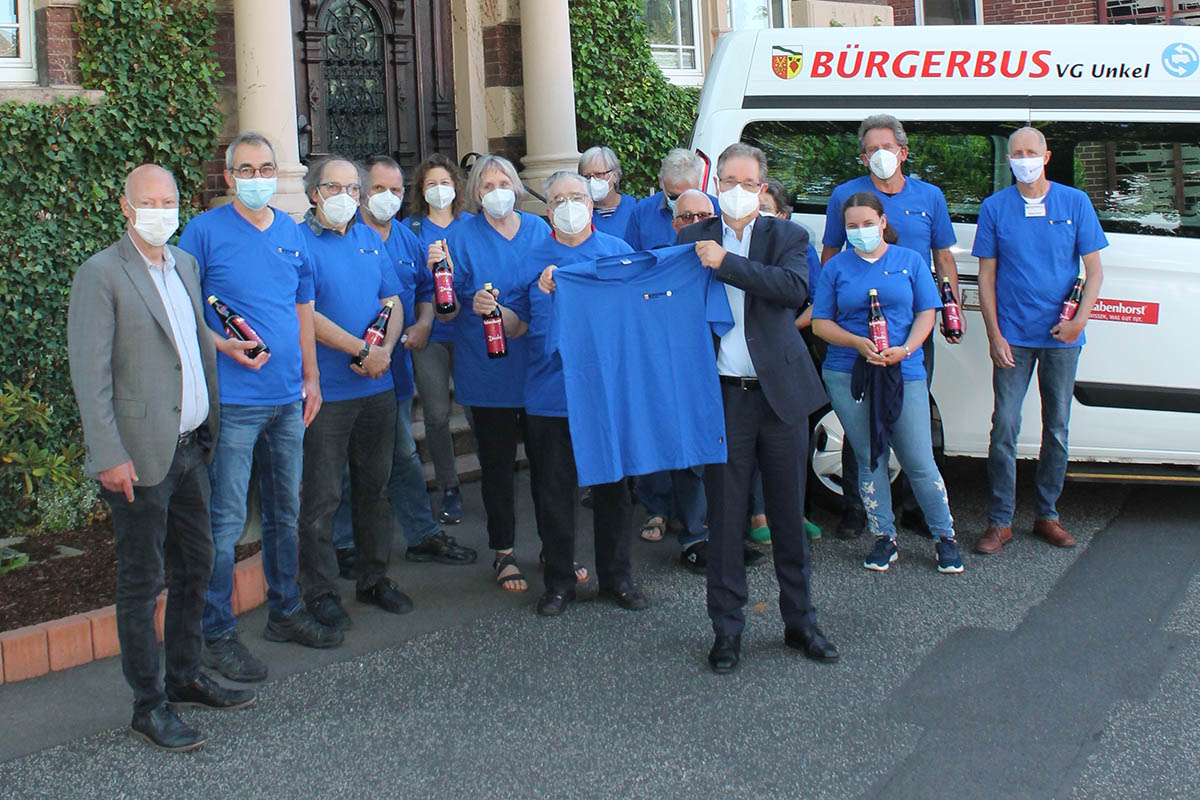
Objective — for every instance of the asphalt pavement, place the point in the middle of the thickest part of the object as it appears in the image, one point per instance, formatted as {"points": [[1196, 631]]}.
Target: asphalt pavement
{"points": [[1038, 673]]}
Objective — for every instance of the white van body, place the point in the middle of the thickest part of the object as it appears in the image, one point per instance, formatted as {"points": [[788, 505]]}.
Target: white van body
{"points": [[1137, 396]]}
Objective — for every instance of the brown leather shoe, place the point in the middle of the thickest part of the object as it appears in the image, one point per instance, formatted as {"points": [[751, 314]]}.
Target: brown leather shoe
{"points": [[994, 538], [1053, 532]]}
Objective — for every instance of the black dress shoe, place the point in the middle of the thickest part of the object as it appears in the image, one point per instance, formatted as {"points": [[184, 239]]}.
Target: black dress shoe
{"points": [[440, 548], [725, 654], [811, 642], [553, 604], [327, 609], [385, 595], [160, 727], [204, 692], [627, 596], [852, 524]]}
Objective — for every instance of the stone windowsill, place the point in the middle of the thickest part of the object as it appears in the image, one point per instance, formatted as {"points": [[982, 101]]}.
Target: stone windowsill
{"points": [[39, 4], [45, 95]]}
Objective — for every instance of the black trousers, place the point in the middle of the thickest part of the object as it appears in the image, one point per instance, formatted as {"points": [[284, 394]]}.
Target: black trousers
{"points": [[363, 431], [552, 458], [167, 523], [497, 433], [755, 435]]}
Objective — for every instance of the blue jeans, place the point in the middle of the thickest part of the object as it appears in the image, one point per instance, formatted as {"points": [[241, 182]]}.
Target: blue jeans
{"points": [[678, 494], [1056, 382], [406, 489], [278, 432], [910, 439]]}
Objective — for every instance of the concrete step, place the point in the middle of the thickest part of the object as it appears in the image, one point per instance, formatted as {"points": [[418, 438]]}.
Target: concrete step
{"points": [[460, 433], [467, 467]]}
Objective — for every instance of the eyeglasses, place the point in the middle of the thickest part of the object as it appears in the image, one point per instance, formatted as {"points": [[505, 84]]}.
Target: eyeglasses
{"points": [[694, 217], [601, 175], [729, 183], [247, 171], [331, 188], [578, 197]]}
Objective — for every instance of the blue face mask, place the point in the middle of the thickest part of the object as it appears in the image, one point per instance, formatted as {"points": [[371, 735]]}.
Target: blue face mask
{"points": [[864, 240], [255, 192]]}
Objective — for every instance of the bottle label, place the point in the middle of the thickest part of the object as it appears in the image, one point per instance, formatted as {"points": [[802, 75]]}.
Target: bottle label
{"points": [[952, 317], [373, 337], [493, 329], [879, 334], [443, 283], [1068, 311]]}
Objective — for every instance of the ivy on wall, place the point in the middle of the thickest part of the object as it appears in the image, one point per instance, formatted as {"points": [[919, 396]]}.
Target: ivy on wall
{"points": [[65, 164], [622, 99]]}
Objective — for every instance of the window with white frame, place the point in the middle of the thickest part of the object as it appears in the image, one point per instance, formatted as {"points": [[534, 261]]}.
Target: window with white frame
{"points": [[949, 12], [16, 42], [674, 28], [751, 14]]}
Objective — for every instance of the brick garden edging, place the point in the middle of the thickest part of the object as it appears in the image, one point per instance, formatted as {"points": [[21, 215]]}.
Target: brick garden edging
{"points": [[60, 644]]}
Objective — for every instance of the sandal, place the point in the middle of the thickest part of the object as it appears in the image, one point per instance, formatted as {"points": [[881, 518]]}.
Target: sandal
{"points": [[653, 529], [581, 572], [509, 581]]}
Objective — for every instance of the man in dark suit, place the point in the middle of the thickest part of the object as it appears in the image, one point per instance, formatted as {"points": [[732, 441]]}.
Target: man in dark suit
{"points": [[146, 385], [768, 387]]}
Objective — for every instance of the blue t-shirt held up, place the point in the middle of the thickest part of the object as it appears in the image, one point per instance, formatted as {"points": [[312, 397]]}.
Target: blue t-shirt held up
{"points": [[545, 394], [635, 334], [905, 287], [1037, 258], [351, 274], [428, 232], [917, 213], [481, 255], [262, 275]]}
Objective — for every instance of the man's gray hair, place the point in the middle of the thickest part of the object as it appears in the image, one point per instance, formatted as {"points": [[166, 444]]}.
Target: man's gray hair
{"points": [[605, 156], [251, 138], [316, 172], [564, 175], [681, 164], [881, 121], [486, 163], [1041, 136], [743, 150]]}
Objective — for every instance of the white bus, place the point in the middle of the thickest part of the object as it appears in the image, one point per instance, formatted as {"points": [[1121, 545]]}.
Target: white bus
{"points": [[1120, 107]]}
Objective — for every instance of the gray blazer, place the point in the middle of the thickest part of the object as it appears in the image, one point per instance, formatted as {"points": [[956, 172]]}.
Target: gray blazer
{"points": [[124, 366]]}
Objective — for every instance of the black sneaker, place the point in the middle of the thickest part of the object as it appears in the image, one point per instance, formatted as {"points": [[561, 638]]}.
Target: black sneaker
{"points": [[695, 557], [440, 548], [883, 556], [852, 524], [346, 558], [914, 520], [327, 610], [228, 656], [162, 728], [451, 513], [948, 559], [385, 595], [302, 627]]}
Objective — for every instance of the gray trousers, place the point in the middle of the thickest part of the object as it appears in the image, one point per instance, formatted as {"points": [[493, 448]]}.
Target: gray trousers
{"points": [[432, 368]]}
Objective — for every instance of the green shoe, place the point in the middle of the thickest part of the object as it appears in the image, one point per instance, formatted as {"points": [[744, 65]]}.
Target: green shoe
{"points": [[813, 530], [759, 535]]}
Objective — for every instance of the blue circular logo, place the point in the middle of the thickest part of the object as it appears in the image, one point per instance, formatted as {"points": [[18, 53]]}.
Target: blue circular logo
{"points": [[1180, 59]]}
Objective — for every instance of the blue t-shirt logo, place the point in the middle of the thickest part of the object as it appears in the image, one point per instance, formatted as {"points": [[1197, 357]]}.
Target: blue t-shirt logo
{"points": [[1180, 59]]}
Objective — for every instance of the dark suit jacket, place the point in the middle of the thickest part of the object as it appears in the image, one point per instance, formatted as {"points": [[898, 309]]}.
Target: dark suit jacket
{"points": [[775, 280], [124, 366]]}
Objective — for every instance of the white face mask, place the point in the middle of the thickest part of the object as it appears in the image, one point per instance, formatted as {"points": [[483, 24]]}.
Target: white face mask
{"points": [[1027, 170], [498, 203], [339, 209], [571, 217], [598, 188], [884, 163], [155, 225], [737, 203], [383, 206], [439, 196]]}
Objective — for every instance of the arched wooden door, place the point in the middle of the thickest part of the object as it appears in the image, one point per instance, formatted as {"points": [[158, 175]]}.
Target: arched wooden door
{"points": [[374, 76]]}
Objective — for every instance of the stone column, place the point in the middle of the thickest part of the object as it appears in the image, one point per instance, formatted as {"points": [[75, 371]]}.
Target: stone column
{"points": [[550, 138], [266, 90]]}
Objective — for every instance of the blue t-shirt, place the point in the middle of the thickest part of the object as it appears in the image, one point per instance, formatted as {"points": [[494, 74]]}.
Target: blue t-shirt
{"points": [[650, 223], [261, 275], [917, 213], [427, 232], [905, 287], [545, 394], [481, 255], [1037, 258], [616, 223], [814, 272], [351, 274], [635, 334], [415, 283]]}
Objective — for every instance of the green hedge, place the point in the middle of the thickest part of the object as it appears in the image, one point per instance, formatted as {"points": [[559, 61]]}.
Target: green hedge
{"points": [[622, 99], [154, 59]]}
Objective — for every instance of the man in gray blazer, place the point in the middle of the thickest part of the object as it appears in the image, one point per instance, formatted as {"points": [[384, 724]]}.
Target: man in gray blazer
{"points": [[146, 385]]}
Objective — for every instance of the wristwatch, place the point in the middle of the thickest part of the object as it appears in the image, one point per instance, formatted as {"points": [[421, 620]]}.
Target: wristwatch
{"points": [[362, 354], [907, 351]]}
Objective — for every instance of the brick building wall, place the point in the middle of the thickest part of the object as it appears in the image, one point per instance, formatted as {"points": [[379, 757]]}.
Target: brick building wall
{"points": [[214, 179], [57, 45], [1010, 12], [502, 69]]}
